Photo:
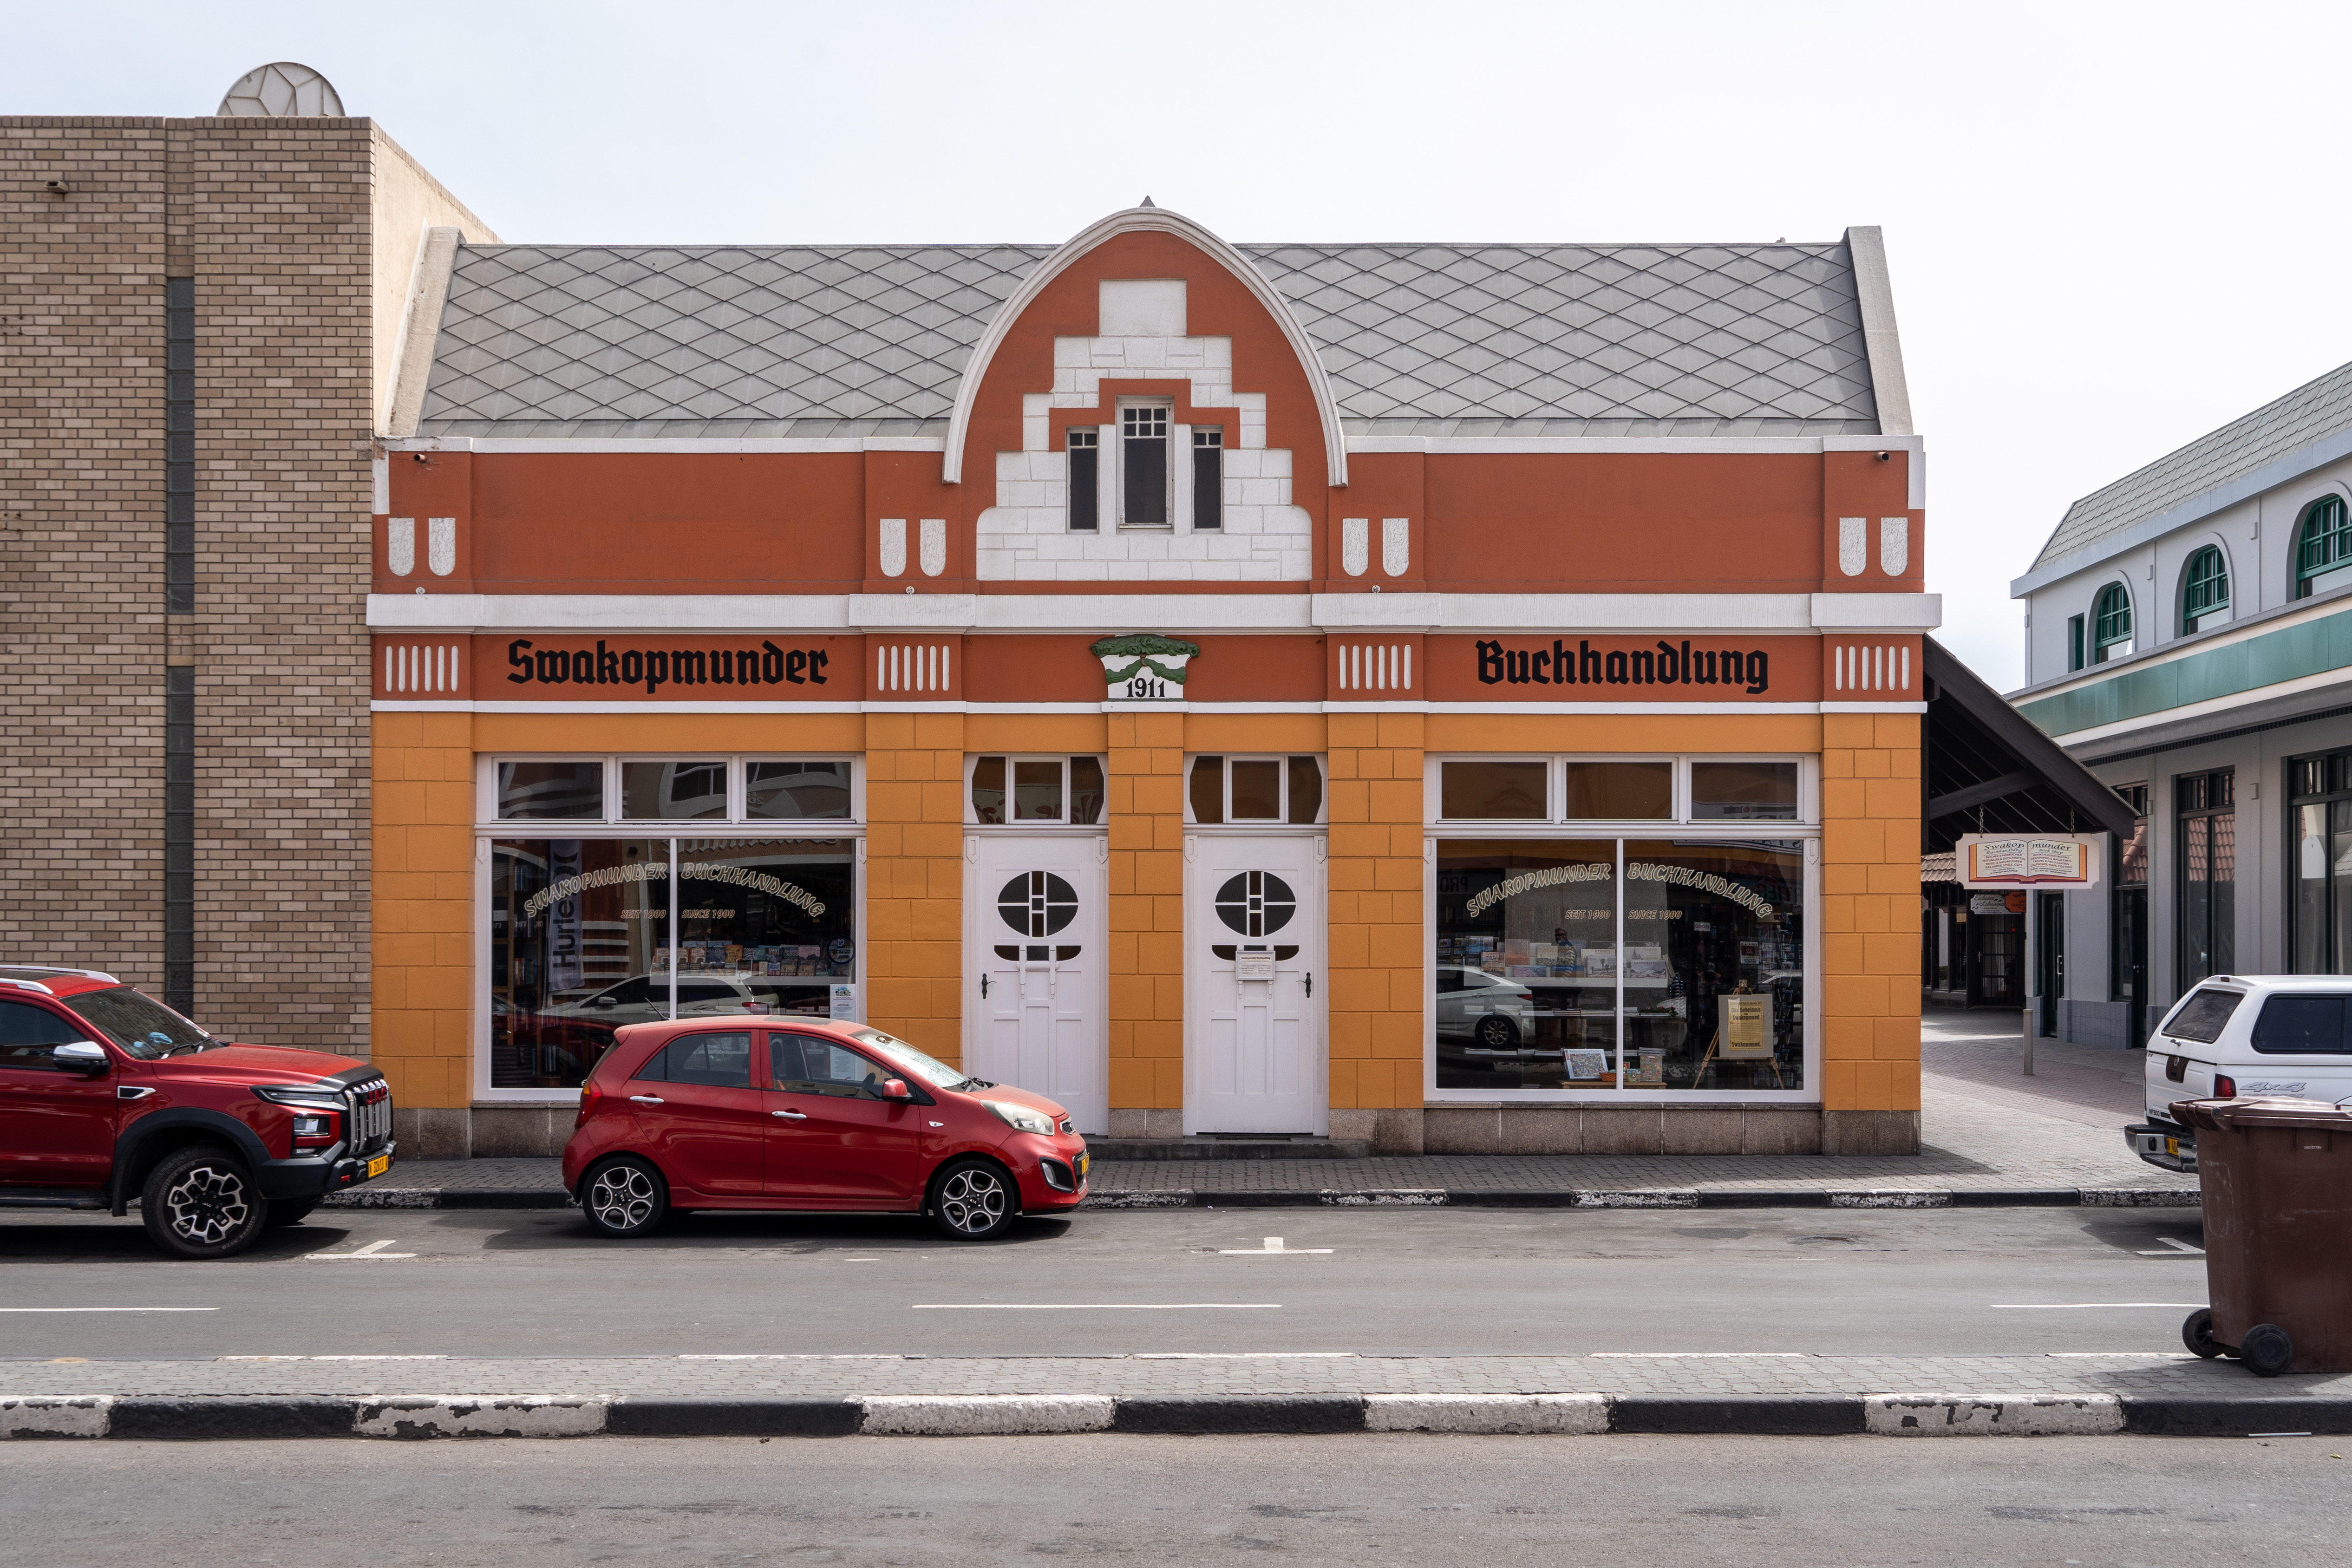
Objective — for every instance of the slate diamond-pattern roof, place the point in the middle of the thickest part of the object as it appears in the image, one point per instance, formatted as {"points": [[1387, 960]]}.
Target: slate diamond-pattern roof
{"points": [[2314, 410], [643, 341]]}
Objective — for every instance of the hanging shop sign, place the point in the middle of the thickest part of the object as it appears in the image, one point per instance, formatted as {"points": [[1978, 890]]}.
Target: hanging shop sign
{"points": [[2052, 860], [1996, 903]]}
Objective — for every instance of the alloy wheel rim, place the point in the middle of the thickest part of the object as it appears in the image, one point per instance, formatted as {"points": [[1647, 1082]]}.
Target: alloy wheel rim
{"points": [[974, 1200], [621, 1198], [207, 1205]]}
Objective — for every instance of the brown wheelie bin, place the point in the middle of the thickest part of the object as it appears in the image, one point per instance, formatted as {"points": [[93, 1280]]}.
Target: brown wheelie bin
{"points": [[2276, 1179]]}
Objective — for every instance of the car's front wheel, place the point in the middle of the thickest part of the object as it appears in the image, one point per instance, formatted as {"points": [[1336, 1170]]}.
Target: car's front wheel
{"points": [[625, 1196], [1498, 1033], [974, 1199], [201, 1202]]}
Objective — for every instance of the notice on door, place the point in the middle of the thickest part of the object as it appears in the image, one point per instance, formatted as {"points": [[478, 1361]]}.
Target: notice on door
{"points": [[2034, 859], [1250, 965]]}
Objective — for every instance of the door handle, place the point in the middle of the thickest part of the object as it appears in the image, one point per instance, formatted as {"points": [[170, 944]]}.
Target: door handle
{"points": [[1310, 983], [791, 1115], [984, 987], [648, 1100]]}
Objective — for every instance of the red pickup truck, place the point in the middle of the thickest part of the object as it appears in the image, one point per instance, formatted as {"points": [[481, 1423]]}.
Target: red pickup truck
{"points": [[106, 1095]]}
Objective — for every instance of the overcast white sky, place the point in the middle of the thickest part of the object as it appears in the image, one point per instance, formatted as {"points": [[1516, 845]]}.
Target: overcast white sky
{"points": [[2111, 227]]}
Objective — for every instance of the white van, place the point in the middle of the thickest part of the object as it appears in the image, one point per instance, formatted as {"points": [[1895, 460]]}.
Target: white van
{"points": [[2244, 1036]]}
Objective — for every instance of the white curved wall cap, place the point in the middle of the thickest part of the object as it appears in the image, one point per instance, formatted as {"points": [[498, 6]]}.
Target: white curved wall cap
{"points": [[1146, 220], [280, 89]]}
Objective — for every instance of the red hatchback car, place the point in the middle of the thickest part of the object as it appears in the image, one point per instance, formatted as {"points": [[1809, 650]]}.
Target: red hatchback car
{"points": [[766, 1113]]}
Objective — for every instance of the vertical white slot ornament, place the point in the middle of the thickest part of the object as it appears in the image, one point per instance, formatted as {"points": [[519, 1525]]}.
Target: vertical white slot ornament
{"points": [[935, 546], [1355, 546], [400, 545], [894, 547], [1854, 545], [1396, 545], [441, 545], [1893, 545]]}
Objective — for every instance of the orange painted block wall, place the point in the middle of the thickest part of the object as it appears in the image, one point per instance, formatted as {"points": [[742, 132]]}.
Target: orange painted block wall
{"points": [[1376, 881], [422, 887], [1145, 809], [1870, 911]]}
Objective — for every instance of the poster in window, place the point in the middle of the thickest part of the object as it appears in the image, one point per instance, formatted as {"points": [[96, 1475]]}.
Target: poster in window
{"points": [[1747, 1027]]}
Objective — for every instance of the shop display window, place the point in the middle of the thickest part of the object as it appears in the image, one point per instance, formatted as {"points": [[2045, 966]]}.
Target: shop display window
{"points": [[1743, 792], [552, 792], [581, 940], [1031, 791], [1617, 792], [673, 792], [1227, 789], [1494, 791], [1608, 964], [796, 790]]}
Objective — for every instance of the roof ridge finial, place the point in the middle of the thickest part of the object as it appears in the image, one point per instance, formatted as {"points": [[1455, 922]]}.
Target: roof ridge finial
{"points": [[1149, 202]]}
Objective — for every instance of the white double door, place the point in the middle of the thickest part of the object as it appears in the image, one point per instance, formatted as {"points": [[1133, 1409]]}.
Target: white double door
{"points": [[1038, 1004], [1256, 992]]}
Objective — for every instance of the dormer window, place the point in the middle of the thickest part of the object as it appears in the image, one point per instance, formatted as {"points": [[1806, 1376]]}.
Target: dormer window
{"points": [[1143, 436], [1085, 452], [1207, 480]]}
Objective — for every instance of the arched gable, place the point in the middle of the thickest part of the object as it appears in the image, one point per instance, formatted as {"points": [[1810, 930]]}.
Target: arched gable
{"points": [[1140, 221]]}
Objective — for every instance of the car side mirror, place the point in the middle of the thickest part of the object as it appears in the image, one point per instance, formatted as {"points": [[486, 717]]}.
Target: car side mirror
{"points": [[895, 1089], [81, 1056]]}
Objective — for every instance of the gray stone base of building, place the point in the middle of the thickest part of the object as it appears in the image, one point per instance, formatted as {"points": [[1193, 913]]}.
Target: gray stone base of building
{"points": [[496, 1131]]}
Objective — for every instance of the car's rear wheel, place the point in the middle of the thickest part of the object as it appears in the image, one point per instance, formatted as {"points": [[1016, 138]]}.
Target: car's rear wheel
{"points": [[624, 1195], [974, 1199], [289, 1210], [1498, 1033], [201, 1202]]}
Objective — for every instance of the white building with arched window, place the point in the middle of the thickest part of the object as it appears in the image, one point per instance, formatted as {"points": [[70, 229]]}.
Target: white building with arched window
{"points": [[2189, 638]]}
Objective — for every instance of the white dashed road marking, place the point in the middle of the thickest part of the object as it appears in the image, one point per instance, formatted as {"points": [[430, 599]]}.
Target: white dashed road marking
{"points": [[1273, 1244], [1097, 1306], [2172, 1248], [373, 1250], [108, 1308]]}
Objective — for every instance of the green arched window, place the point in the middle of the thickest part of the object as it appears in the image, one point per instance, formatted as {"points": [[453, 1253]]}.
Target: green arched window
{"points": [[2204, 588], [2326, 547], [2111, 623]]}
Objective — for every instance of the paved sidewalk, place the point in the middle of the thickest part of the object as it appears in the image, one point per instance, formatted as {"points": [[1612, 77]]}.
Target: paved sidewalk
{"points": [[1991, 1134]]}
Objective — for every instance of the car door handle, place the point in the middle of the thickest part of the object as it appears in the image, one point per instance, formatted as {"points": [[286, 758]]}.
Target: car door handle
{"points": [[648, 1100], [791, 1115]]}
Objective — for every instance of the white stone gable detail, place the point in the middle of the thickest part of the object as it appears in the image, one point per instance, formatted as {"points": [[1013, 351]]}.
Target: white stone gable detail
{"points": [[1026, 536]]}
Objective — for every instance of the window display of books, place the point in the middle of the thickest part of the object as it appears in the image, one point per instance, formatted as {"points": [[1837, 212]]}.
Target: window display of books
{"points": [[1585, 1066]]}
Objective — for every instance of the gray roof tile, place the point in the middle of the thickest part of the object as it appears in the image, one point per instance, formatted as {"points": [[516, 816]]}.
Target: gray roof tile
{"points": [[2315, 409], [1709, 340]]}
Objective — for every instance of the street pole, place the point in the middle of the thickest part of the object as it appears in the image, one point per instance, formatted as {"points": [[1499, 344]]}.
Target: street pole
{"points": [[2029, 1040]]}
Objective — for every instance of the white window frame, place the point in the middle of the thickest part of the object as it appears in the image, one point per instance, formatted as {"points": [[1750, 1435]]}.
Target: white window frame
{"points": [[1805, 830], [1118, 465], [487, 825], [972, 813], [1226, 783]]}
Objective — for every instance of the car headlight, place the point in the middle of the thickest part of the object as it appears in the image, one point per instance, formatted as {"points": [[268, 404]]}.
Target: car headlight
{"points": [[1020, 1117]]}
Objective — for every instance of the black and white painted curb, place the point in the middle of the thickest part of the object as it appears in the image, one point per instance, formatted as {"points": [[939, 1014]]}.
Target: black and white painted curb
{"points": [[182, 1417], [1436, 1197]]}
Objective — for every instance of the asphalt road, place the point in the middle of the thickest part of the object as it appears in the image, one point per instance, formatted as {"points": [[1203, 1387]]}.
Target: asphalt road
{"points": [[1431, 1282], [1771, 1503]]}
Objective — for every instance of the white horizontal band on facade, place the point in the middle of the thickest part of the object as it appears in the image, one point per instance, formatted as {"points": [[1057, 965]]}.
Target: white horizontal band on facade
{"points": [[1554, 709]]}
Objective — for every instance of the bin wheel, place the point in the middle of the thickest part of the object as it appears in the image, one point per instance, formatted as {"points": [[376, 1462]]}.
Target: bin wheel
{"points": [[2197, 1333], [2266, 1349]]}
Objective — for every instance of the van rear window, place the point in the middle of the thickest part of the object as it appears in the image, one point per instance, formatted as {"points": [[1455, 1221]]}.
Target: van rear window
{"points": [[2300, 1025], [2204, 1016]]}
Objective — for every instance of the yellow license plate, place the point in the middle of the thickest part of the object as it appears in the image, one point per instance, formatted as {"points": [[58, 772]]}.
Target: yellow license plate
{"points": [[379, 1165], [1083, 1158]]}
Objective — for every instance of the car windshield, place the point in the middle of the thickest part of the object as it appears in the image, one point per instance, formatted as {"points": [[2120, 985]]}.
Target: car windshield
{"points": [[931, 1070], [140, 1025]]}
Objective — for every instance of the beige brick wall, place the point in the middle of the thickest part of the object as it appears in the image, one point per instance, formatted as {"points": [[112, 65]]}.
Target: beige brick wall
{"points": [[81, 544], [276, 221]]}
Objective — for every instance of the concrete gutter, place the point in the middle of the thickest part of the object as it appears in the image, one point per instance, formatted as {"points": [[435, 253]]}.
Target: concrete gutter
{"points": [[1429, 1197]]}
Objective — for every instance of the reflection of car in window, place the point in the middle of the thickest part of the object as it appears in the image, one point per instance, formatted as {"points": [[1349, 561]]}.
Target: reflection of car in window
{"points": [[1472, 1004]]}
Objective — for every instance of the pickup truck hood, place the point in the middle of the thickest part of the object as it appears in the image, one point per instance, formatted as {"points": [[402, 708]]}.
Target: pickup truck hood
{"points": [[254, 1064]]}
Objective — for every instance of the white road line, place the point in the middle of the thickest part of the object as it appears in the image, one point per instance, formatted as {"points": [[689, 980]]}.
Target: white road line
{"points": [[2172, 1248], [1273, 1246], [330, 1358], [108, 1308], [2082, 1306], [373, 1250], [1698, 1356], [1097, 1306]]}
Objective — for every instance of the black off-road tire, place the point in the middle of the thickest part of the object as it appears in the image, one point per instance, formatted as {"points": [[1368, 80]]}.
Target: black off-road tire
{"points": [[625, 1196], [974, 1199], [202, 1202]]}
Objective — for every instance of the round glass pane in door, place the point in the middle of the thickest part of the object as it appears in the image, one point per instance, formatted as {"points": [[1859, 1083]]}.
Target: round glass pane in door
{"points": [[1256, 903], [1037, 903]]}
